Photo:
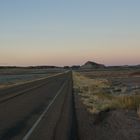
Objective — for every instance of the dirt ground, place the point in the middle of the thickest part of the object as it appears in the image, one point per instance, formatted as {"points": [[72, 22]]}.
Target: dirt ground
{"points": [[115, 124], [107, 125], [123, 81]]}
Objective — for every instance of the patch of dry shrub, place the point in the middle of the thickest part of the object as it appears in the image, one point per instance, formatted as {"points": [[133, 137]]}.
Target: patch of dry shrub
{"points": [[96, 98]]}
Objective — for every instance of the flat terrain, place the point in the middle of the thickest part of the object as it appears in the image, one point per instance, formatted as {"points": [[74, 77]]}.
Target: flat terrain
{"points": [[123, 80], [107, 103], [14, 76], [107, 125], [39, 110], [99, 104]]}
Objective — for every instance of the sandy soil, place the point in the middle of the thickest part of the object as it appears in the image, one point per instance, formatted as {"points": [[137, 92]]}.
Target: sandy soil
{"points": [[108, 125]]}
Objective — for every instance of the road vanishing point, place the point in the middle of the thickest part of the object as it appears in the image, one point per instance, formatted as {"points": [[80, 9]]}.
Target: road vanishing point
{"points": [[39, 110]]}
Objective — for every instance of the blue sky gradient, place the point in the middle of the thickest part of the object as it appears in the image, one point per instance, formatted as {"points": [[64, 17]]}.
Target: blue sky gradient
{"points": [[66, 32]]}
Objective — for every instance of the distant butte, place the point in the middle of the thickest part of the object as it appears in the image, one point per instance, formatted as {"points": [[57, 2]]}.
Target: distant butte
{"points": [[92, 65]]}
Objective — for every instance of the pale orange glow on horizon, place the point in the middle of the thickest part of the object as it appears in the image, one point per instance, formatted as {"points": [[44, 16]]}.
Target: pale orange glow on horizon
{"points": [[61, 53], [69, 32]]}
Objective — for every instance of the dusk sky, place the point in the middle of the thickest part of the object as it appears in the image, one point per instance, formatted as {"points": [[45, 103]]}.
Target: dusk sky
{"points": [[67, 32]]}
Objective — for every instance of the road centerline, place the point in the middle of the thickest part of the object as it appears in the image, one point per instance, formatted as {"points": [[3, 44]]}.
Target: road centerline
{"points": [[6, 98]]}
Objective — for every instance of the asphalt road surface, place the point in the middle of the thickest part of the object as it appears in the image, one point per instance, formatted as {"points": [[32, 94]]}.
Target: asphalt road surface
{"points": [[40, 110]]}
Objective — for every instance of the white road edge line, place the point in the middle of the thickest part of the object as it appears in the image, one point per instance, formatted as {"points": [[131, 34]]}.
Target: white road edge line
{"points": [[26, 137]]}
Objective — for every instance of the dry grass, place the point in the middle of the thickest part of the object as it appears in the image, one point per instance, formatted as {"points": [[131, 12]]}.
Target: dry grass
{"points": [[127, 102], [95, 95], [92, 92], [4, 86], [138, 110]]}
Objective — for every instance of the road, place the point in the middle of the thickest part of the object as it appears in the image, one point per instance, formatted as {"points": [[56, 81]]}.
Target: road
{"points": [[40, 110]]}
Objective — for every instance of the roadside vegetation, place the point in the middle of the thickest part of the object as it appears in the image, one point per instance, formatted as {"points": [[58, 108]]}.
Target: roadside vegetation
{"points": [[96, 95]]}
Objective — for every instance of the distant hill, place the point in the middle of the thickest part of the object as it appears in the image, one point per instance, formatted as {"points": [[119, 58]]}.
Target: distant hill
{"points": [[92, 65]]}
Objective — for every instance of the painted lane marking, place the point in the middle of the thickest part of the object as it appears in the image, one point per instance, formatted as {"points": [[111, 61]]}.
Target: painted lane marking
{"points": [[26, 137], [4, 99]]}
